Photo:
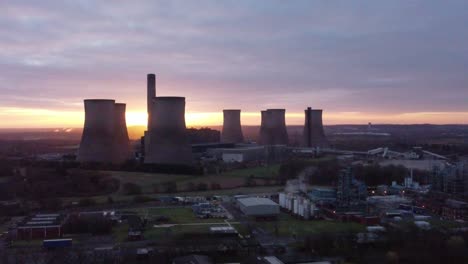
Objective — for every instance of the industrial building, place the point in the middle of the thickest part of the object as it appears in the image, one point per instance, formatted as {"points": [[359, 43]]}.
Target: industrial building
{"points": [[242, 154], [452, 179], [232, 129], [349, 190], [314, 135], [40, 226], [166, 140], [273, 127], [323, 195], [258, 207], [105, 138]]}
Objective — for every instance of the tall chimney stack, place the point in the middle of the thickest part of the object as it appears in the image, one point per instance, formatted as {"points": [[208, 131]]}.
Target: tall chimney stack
{"points": [[151, 93]]}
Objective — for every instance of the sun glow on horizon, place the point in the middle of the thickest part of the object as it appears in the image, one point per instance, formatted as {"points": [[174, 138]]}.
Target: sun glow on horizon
{"points": [[13, 117]]}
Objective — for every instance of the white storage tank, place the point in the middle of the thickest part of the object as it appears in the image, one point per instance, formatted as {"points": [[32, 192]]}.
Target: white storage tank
{"points": [[306, 209], [282, 200], [296, 206], [301, 210]]}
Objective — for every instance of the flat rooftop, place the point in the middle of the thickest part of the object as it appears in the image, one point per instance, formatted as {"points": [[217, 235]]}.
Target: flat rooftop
{"points": [[253, 201]]}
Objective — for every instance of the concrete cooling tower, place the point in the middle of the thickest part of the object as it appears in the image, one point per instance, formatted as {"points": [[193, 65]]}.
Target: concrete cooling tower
{"points": [[104, 131], [314, 135], [121, 134], [232, 129], [168, 142], [273, 128]]}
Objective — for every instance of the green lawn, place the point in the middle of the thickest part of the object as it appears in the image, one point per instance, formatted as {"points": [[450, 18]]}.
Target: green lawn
{"points": [[26, 243], [230, 179], [102, 199], [146, 180], [288, 225], [174, 231], [176, 215]]}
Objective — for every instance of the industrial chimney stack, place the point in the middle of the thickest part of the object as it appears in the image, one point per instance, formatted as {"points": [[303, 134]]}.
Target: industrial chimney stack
{"points": [[273, 128], [232, 129], [151, 93], [168, 142], [314, 135]]}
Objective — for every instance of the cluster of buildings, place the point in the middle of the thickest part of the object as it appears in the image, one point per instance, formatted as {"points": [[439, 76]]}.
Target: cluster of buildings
{"points": [[39, 226], [307, 202], [451, 179], [105, 138]]}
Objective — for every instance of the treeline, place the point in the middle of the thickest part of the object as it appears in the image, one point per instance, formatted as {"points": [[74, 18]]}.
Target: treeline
{"points": [[407, 245], [39, 184]]}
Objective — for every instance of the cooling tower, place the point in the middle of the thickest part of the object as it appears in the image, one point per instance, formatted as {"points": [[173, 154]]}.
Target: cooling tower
{"points": [[313, 129], [122, 142], [232, 129], [98, 139], [273, 129], [150, 94], [168, 142]]}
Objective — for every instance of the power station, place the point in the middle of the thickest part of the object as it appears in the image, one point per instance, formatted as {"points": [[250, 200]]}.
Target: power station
{"points": [[313, 135], [232, 129], [105, 138], [273, 127]]}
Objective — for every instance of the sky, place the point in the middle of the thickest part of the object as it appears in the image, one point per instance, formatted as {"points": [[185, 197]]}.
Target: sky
{"points": [[399, 61]]}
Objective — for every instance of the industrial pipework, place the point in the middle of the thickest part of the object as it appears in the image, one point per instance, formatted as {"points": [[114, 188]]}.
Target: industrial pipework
{"points": [[232, 129], [168, 142]]}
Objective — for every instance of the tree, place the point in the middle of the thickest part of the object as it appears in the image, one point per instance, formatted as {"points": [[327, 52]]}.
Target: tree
{"points": [[215, 186], [87, 202], [202, 186], [170, 187], [131, 189], [250, 181]]}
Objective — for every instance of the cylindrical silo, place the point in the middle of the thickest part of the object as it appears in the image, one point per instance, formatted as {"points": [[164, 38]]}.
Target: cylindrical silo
{"points": [[232, 129], [313, 135], [122, 142], [168, 142], [98, 138], [273, 130]]}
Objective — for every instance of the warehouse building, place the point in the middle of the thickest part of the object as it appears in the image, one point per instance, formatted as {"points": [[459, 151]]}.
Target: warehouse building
{"points": [[40, 226], [258, 207]]}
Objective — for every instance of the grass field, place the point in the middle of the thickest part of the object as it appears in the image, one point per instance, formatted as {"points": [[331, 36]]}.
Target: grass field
{"points": [[182, 215], [183, 220], [288, 226], [102, 199], [227, 180], [174, 231]]}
